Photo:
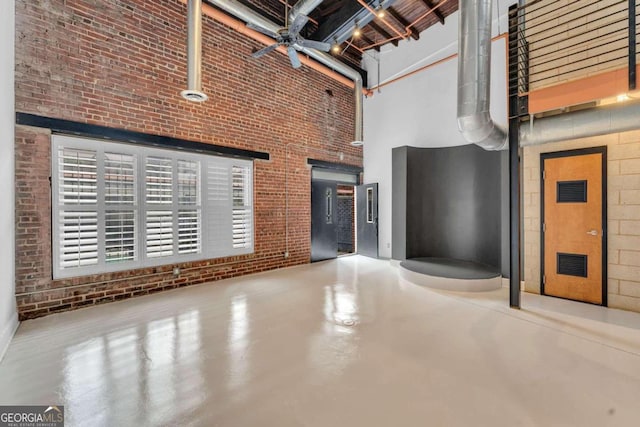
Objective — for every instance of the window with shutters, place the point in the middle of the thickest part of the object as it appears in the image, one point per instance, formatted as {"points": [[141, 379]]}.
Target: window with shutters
{"points": [[120, 206], [242, 210]]}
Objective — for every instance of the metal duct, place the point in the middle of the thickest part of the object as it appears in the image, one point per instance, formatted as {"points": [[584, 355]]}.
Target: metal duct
{"points": [[474, 77], [357, 140], [303, 7], [194, 92], [581, 124], [242, 12]]}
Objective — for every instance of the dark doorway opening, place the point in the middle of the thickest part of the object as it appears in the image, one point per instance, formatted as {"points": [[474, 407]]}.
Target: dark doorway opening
{"points": [[345, 220]]}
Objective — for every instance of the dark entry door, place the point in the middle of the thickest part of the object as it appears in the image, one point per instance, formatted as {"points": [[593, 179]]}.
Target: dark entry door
{"points": [[367, 218], [573, 225], [324, 234]]}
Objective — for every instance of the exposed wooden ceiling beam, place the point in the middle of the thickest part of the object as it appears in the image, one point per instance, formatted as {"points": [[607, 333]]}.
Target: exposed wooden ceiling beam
{"points": [[369, 42], [403, 21], [377, 28], [329, 25], [329, 10], [429, 4]]}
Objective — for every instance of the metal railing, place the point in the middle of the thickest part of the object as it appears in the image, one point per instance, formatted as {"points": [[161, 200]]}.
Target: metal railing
{"points": [[557, 41]]}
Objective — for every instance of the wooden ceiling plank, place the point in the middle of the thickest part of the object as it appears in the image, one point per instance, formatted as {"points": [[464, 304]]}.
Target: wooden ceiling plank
{"points": [[378, 29], [368, 42], [403, 21], [429, 4]]}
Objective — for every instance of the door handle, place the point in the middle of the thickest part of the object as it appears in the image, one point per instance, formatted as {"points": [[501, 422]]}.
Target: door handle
{"points": [[593, 232]]}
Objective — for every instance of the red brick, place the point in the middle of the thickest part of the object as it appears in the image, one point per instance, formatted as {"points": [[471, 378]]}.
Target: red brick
{"points": [[123, 65]]}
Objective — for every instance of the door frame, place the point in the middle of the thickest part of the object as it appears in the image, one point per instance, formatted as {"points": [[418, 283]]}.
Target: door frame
{"points": [[323, 165], [605, 232]]}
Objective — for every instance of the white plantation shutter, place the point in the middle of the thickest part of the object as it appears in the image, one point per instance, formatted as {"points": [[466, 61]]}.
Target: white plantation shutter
{"points": [[188, 182], [159, 233], [189, 227], [119, 179], [228, 205], [121, 206], [159, 180], [120, 236], [78, 226], [158, 177], [78, 182], [189, 232], [218, 205], [120, 200], [242, 211], [78, 239]]}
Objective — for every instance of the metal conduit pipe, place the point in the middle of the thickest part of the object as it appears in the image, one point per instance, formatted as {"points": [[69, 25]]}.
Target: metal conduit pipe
{"points": [[474, 77], [194, 92], [242, 12], [581, 124]]}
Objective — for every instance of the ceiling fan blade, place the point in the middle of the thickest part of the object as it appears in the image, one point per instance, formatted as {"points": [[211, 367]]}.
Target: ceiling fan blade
{"points": [[325, 47], [293, 57], [264, 51], [298, 24], [262, 30]]}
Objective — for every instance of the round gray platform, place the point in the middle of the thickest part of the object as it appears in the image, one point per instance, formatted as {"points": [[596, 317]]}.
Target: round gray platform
{"points": [[452, 274]]}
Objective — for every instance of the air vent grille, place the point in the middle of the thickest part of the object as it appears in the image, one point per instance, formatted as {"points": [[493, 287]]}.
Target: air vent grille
{"points": [[572, 265], [572, 192]]}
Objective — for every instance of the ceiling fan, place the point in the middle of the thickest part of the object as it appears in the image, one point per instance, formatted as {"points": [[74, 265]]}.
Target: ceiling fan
{"points": [[289, 37]]}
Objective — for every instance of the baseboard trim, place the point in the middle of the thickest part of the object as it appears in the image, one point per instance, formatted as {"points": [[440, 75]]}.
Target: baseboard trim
{"points": [[6, 335]]}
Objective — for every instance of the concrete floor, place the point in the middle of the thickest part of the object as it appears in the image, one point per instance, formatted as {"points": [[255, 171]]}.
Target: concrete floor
{"points": [[338, 343]]}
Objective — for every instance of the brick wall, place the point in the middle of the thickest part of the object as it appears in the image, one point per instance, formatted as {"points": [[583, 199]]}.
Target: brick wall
{"points": [[623, 211], [122, 64], [346, 212]]}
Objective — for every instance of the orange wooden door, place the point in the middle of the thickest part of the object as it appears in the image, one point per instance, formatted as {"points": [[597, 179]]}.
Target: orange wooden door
{"points": [[573, 230]]}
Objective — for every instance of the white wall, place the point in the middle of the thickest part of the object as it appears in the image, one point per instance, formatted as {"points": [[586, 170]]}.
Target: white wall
{"points": [[420, 110], [8, 314]]}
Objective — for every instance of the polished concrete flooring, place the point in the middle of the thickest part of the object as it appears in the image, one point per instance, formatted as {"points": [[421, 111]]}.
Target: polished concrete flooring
{"points": [[338, 343]]}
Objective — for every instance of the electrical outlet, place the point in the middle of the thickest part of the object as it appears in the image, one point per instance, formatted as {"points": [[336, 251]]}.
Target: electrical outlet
{"points": [[388, 245], [286, 254], [176, 271]]}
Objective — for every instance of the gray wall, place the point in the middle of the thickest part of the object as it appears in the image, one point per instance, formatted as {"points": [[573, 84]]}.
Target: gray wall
{"points": [[453, 204], [399, 203]]}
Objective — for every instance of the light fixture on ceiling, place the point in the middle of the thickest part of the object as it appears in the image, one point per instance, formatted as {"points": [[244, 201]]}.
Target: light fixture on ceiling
{"points": [[335, 47], [357, 31], [380, 12]]}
